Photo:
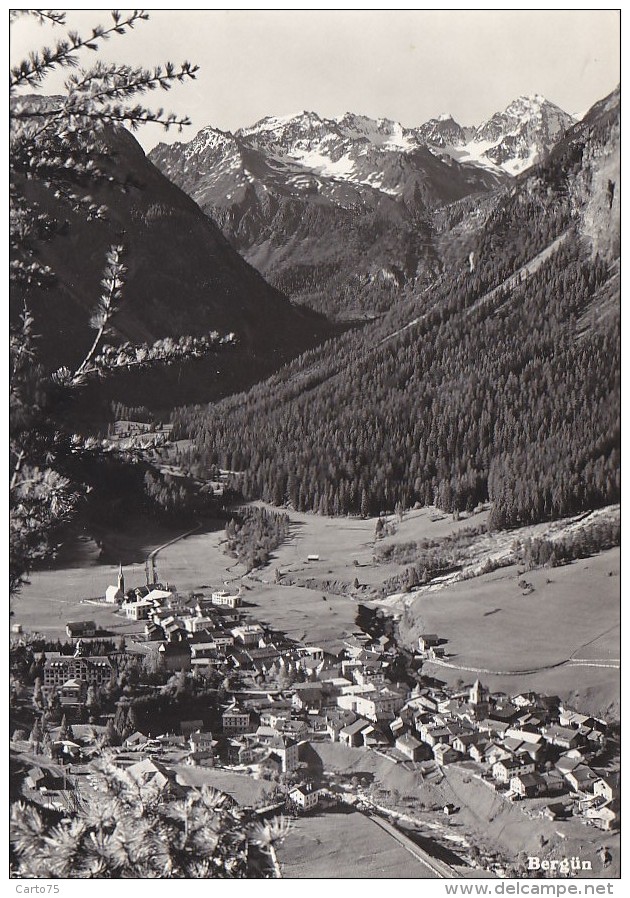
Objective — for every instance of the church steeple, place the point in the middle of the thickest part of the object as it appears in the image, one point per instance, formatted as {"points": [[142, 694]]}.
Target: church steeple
{"points": [[121, 579], [478, 693]]}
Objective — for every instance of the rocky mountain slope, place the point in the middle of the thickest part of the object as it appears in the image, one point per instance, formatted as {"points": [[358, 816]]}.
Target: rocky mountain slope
{"points": [[183, 279], [338, 212]]}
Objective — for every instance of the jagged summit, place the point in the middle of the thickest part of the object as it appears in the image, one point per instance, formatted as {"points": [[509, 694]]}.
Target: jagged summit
{"points": [[279, 123], [522, 134], [344, 147], [318, 203]]}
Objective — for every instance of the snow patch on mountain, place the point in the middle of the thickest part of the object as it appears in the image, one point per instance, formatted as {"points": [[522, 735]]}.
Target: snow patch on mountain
{"points": [[304, 152], [322, 164], [511, 140]]}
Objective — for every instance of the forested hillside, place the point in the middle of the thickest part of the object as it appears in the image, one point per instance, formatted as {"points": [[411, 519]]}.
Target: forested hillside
{"points": [[500, 381], [183, 282]]}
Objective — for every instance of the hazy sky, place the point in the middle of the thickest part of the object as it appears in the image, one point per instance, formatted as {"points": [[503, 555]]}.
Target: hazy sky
{"points": [[404, 65]]}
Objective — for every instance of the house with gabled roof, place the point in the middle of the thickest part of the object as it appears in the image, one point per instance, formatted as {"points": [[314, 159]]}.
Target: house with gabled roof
{"points": [[581, 778], [287, 750], [412, 748], [568, 761], [72, 692], [463, 742], [504, 713], [79, 629], [266, 733], [297, 729], [336, 721], [235, 720], [34, 778], [607, 786], [397, 727], [524, 699], [435, 735], [555, 811], [136, 739], [175, 656], [306, 796], [429, 699], [427, 641], [477, 751], [352, 735], [492, 727], [606, 816], [308, 696], [374, 737], [201, 740], [155, 776], [554, 781], [563, 737], [445, 754], [528, 785], [201, 758], [504, 770]]}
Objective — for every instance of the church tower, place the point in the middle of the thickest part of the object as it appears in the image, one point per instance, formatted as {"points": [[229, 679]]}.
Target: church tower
{"points": [[478, 698], [478, 693], [121, 579]]}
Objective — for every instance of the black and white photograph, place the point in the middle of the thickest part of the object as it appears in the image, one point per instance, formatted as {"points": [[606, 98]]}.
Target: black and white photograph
{"points": [[315, 447]]}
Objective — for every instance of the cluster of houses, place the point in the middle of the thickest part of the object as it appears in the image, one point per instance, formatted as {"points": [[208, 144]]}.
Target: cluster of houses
{"points": [[526, 746]]}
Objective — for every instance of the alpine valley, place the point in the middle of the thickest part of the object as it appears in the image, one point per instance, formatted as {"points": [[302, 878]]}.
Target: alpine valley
{"points": [[437, 308], [314, 468], [491, 368]]}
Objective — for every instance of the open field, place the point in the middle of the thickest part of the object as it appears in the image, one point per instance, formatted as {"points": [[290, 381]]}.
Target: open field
{"points": [[572, 615], [312, 616], [199, 561], [47, 615], [346, 545], [348, 844]]}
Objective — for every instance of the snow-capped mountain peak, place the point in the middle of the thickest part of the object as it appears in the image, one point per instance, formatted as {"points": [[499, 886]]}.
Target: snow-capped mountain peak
{"points": [[304, 151], [443, 132], [520, 135], [279, 125], [210, 138]]}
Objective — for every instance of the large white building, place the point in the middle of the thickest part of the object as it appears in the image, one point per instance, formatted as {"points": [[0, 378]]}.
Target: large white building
{"points": [[225, 600]]}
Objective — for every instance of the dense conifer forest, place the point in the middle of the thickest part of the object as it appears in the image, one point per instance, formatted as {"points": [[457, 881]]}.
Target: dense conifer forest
{"points": [[494, 383], [253, 533]]}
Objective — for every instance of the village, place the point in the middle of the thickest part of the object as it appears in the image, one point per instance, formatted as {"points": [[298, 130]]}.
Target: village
{"points": [[205, 694]]}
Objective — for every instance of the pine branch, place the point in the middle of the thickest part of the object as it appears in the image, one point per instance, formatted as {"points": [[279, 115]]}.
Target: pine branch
{"points": [[118, 81], [33, 71], [113, 282], [87, 105], [52, 16]]}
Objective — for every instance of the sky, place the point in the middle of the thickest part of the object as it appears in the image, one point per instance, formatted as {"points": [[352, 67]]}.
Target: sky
{"points": [[404, 65]]}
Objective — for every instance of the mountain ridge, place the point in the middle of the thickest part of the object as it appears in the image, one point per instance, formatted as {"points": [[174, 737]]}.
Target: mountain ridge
{"points": [[339, 212], [292, 132]]}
